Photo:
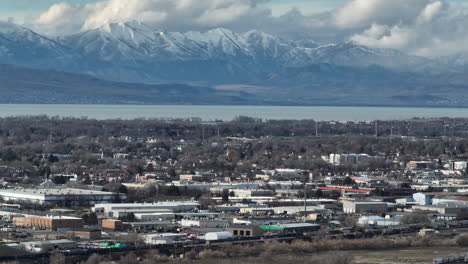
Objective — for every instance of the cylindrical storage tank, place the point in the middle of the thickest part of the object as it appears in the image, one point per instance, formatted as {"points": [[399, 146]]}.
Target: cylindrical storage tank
{"points": [[218, 235]]}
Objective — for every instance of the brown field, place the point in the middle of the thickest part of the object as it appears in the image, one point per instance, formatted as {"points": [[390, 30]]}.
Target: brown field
{"points": [[400, 256]]}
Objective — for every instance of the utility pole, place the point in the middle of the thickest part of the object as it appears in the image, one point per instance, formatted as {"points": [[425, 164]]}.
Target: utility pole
{"points": [[170, 147], [305, 198], [376, 128], [391, 132], [305, 201]]}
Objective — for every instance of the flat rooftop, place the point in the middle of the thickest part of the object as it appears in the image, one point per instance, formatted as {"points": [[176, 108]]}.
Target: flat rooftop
{"points": [[134, 205], [51, 191]]}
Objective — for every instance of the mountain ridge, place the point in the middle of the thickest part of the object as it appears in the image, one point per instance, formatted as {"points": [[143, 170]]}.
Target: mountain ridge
{"points": [[295, 71], [138, 48]]}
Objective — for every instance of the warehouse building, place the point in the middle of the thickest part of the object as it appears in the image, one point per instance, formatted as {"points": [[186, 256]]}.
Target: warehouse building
{"points": [[245, 230], [116, 210], [363, 207], [61, 197], [444, 208], [159, 226], [48, 245], [290, 228], [112, 224], [49, 222], [163, 238], [204, 223], [86, 234], [154, 216]]}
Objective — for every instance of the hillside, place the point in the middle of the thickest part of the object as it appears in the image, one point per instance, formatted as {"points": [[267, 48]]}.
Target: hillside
{"points": [[23, 85]]}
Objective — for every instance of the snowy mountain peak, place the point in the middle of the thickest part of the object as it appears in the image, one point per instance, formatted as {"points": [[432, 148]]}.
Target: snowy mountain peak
{"points": [[134, 48]]}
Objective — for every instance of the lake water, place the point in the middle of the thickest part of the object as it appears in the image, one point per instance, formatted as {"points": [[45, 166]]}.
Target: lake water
{"points": [[210, 113]]}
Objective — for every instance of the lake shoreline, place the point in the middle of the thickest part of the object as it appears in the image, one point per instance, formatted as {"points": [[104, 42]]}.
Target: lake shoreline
{"points": [[228, 113]]}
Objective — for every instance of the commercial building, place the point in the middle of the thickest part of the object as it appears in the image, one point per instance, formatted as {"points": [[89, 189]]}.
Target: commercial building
{"points": [[49, 222], [245, 230], [340, 159], [112, 224], [416, 199], [213, 236], [364, 207], [379, 221], [198, 177], [257, 211], [155, 216], [248, 193], [121, 209], [204, 223], [164, 238], [62, 197], [159, 226], [118, 213], [86, 234], [461, 166], [445, 209], [48, 245], [291, 228], [419, 164]]}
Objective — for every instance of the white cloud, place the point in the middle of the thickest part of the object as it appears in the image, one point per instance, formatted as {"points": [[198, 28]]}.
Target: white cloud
{"points": [[428, 28], [168, 14], [430, 11], [359, 13], [381, 36]]}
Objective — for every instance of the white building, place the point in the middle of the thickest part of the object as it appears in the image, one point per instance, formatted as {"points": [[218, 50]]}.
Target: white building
{"points": [[120, 209], [65, 197], [212, 236], [154, 216], [47, 245], [204, 223], [352, 207], [339, 159], [380, 221], [163, 238], [460, 165]]}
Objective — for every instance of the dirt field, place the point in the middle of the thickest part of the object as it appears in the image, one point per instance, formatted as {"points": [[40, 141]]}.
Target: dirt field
{"points": [[404, 256]]}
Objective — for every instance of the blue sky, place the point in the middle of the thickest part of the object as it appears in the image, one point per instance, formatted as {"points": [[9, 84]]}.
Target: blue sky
{"points": [[22, 8]]}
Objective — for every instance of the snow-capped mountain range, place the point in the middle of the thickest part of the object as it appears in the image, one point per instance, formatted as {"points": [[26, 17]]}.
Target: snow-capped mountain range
{"points": [[134, 51], [137, 53]]}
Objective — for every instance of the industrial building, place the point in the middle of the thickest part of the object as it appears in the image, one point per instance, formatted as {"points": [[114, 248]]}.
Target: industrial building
{"points": [[163, 238], [291, 228], [154, 216], [213, 236], [116, 210], [245, 230], [62, 197], [112, 224], [444, 208], [86, 234], [48, 245], [363, 206], [49, 222], [159, 226], [340, 159], [204, 223], [256, 211]]}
